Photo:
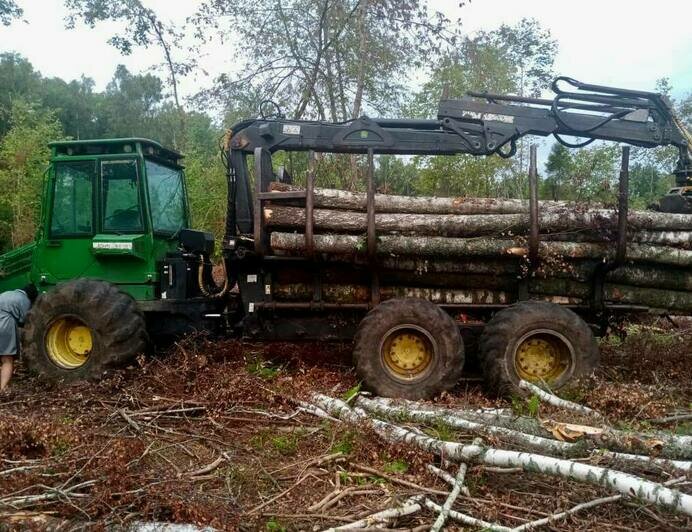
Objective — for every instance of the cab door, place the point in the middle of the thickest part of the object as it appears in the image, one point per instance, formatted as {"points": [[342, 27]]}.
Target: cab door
{"points": [[65, 252]]}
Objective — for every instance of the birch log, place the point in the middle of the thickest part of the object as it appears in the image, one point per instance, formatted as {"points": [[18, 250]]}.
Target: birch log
{"points": [[559, 402], [410, 506], [467, 519], [342, 199], [673, 300], [447, 506], [624, 483], [663, 444], [537, 443], [475, 247], [664, 226], [550, 446]]}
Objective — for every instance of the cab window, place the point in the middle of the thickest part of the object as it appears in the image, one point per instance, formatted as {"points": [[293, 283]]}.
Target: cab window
{"points": [[166, 198], [122, 211], [73, 197]]}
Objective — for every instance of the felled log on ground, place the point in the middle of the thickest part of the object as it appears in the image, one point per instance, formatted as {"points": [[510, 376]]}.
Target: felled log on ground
{"points": [[544, 445], [611, 479], [661, 444], [431, 246], [655, 225]]}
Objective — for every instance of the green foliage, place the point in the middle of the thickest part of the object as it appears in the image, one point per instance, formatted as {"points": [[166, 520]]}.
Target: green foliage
{"points": [[588, 174], [507, 59], [323, 59], [261, 368], [396, 466], [345, 443], [60, 447], [459, 175], [286, 445], [441, 431], [23, 159], [9, 10], [352, 392], [532, 405], [274, 526], [526, 407], [684, 429]]}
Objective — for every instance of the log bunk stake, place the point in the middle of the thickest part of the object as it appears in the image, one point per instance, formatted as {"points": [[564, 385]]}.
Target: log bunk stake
{"points": [[602, 269], [372, 233]]}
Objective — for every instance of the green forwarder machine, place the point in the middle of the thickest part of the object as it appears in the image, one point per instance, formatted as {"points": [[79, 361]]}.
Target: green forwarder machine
{"points": [[119, 266]]}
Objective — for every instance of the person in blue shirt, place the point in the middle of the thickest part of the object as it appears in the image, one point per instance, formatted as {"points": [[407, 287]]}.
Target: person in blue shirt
{"points": [[14, 307]]}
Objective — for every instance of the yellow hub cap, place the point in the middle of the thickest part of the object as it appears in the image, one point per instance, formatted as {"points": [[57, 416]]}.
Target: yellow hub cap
{"points": [[542, 357], [68, 343], [407, 352]]}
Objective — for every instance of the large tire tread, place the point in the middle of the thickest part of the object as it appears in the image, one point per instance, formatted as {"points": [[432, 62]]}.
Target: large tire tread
{"points": [[117, 324], [509, 324], [449, 361]]}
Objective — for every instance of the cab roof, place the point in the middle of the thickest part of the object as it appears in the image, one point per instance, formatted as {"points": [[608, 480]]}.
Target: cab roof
{"points": [[125, 146]]}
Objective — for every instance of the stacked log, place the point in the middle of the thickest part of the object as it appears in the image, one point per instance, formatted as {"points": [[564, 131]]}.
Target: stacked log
{"points": [[474, 251]]}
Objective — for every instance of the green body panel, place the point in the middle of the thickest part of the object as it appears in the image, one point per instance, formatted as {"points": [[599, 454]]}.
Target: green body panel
{"points": [[15, 267], [127, 260]]}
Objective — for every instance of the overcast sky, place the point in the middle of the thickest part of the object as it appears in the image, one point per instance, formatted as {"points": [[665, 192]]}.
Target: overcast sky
{"points": [[611, 42]]}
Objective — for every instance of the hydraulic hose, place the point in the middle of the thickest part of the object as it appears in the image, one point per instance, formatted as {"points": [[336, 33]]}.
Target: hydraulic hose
{"points": [[202, 285]]}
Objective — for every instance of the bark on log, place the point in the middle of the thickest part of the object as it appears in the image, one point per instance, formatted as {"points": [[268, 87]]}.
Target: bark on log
{"points": [[504, 266], [413, 414], [544, 445], [676, 225], [681, 239], [652, 276], [672, 446], [650, 297], [341, 199], [348, 293], [447, 506], [559, 402], [476, 247]]}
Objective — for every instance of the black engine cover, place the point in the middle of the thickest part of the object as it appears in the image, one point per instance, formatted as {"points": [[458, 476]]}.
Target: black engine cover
{"points": [[197, 242]]}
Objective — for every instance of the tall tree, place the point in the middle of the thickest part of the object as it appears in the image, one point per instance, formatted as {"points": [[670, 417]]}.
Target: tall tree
{"points": [[18, 80], [24, 154], [531, 50], [560, 168], [327, 58], [130, 105], [9, 10], [143, 28]]}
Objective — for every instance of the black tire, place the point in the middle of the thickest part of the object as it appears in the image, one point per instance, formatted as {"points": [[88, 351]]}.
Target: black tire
{"points": [[536, 321], [415, 318], [116, 326]]}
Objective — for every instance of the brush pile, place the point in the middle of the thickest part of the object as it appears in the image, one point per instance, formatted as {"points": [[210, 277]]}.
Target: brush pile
{"points": [[475, 250]]}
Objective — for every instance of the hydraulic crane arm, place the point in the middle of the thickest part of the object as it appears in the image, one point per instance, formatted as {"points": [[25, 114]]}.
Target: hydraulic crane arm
{"points": [[485, 124], [592, 112], [478, 124]]}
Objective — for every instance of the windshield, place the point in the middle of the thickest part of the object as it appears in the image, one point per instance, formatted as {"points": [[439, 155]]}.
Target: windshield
{"points": [[167, 198], [121, 208]]}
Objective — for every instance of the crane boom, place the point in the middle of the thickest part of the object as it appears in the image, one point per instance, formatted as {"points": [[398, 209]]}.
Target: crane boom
{"points": [[480, 124]]}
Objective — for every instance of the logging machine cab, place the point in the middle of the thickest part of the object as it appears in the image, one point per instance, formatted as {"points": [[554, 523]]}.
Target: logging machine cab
{"points": [[114, 210]]}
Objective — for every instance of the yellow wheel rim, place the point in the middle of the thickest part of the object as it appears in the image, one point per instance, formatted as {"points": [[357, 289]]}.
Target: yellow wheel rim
{"points": [[407, 352], [543, 356], [69, 343]]}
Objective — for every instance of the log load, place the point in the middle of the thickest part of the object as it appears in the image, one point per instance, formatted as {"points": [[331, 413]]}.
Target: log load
{"points": [[474, 251]]}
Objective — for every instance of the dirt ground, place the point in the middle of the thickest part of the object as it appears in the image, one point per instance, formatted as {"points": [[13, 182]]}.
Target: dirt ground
{"points": [[208, 433]]}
